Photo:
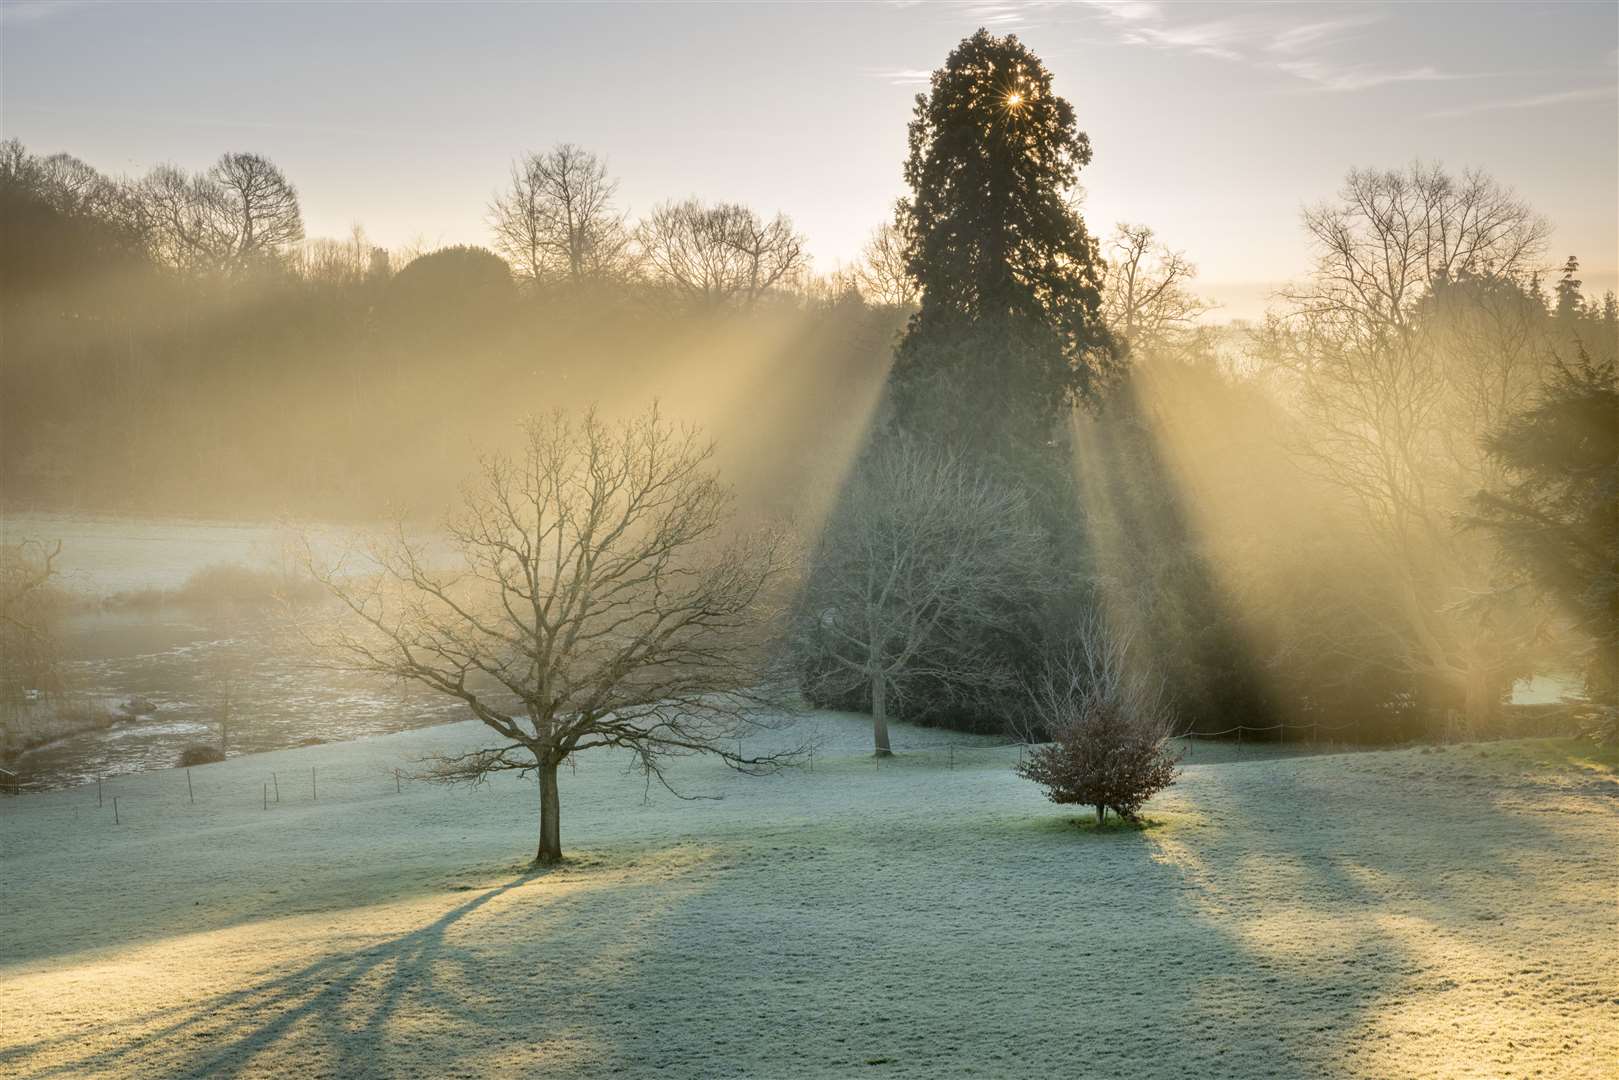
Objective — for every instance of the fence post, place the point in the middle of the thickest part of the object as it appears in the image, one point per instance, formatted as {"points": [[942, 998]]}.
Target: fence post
{"points": [[276, 780], [952, 757], [267, 796], [115, 809], [98, 791], [190, 792], [1239, 736], [397, 787], [313, 790]]}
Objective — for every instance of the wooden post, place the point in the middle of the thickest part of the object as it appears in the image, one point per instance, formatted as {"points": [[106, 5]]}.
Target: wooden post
{"points": [[98, 791], [313, 790], [952, 757], [190, 792], [115, 809], [397, 787], [276, 780], [267, 796]]}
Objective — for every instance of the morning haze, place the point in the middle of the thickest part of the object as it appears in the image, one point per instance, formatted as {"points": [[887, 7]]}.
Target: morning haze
{"points": [[792, 541]]}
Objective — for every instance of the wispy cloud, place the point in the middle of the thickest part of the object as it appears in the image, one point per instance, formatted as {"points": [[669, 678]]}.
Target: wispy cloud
{"points": [[1274, 38], [1294, 39], [1533, 101], [1343, 78], [901, 76], [13, 12], [1005, 15]]}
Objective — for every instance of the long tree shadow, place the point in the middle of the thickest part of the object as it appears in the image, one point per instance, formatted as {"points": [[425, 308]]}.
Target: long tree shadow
{"points": [[352, 1013]]}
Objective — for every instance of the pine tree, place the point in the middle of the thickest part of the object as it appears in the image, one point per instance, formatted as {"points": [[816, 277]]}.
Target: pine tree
{"points": [[1010, 332], [1569, 301]]}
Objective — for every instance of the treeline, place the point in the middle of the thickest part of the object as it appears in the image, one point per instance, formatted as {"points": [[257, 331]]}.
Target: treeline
{"points": [[175, 344]]}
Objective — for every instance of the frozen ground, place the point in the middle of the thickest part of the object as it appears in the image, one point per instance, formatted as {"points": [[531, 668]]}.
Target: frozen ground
{"points": [[1409, 913]]}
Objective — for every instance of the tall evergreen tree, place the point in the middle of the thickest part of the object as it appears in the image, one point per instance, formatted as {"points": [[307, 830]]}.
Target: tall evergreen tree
{"points": [[1010, 331]]}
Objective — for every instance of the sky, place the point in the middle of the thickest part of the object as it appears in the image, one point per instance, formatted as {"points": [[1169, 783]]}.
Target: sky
{"points": [[1214, 123]]}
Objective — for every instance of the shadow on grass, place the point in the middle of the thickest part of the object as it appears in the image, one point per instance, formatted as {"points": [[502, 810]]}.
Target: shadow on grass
{"points": [[362, 1011]]}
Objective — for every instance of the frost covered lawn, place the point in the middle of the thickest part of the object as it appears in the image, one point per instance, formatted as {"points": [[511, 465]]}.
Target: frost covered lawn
{"points": [[1447, 913]]}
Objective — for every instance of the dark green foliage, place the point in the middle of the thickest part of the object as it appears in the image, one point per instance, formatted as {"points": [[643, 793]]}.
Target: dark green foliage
{"points": [[199, 754], [450, 291], [1556, 513], [1009, 332]]}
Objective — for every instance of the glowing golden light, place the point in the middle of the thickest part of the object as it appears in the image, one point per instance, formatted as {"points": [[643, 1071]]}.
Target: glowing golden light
{"points": [[1014, 99]]}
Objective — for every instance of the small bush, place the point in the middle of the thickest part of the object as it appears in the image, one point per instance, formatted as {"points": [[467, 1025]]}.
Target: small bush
{"points": [[1101, 761], [1111, 733], [200, 754]]}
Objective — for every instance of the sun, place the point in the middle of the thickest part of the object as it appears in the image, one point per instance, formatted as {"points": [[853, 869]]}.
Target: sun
{"points": [[1014, 99]]}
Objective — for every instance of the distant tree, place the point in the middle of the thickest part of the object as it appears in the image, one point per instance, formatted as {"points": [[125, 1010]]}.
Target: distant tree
{"points": [[182, 214], [1555, 510], [1010, 332], [1416, 333], [589, 599], [29, 656], [1569, 303], [1110, 733], [239, 214], [450, 291], [557, 222], [1146, 302], [883, 272], [722, 255], [257, 213], [923, 562]]}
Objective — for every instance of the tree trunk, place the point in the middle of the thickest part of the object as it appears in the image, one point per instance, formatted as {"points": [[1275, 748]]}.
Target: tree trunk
{"points": [[550, 815], [1101, 813], [879, 715]]}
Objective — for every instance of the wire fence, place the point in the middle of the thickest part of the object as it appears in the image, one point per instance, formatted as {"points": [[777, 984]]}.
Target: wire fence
{"points": [[125, 796]]}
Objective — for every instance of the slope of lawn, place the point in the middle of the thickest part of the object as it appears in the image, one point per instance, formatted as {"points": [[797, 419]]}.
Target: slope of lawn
{"points": [[1434, 913]]}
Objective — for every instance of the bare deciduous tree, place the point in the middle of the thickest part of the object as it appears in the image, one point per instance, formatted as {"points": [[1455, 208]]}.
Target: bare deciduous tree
{"points": [[241, 211], [921, 561], [259, 214], [181, 214], [1412, 338], [1145, 300], [591, 600], [557, 221], [718, 255], [883, 270]]}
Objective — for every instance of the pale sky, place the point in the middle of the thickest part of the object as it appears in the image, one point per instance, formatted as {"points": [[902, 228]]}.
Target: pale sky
{"points": [[1212, 122]]}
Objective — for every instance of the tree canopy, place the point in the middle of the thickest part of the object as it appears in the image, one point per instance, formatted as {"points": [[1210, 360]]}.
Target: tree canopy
{"points": [[1010, 329]]}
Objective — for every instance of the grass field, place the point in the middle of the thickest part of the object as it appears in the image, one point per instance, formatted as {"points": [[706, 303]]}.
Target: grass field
{"points": [[1423, 913]]}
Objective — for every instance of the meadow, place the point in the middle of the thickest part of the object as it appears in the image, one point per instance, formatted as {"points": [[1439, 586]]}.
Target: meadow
{"points": [[1434, 912]]}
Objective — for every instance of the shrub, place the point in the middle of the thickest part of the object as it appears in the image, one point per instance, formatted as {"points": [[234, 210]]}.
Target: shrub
{"points": [[1111, 733], [200, 754]]}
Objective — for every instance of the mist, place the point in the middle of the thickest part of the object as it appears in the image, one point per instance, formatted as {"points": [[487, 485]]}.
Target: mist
{"points": [[992, 588]]}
